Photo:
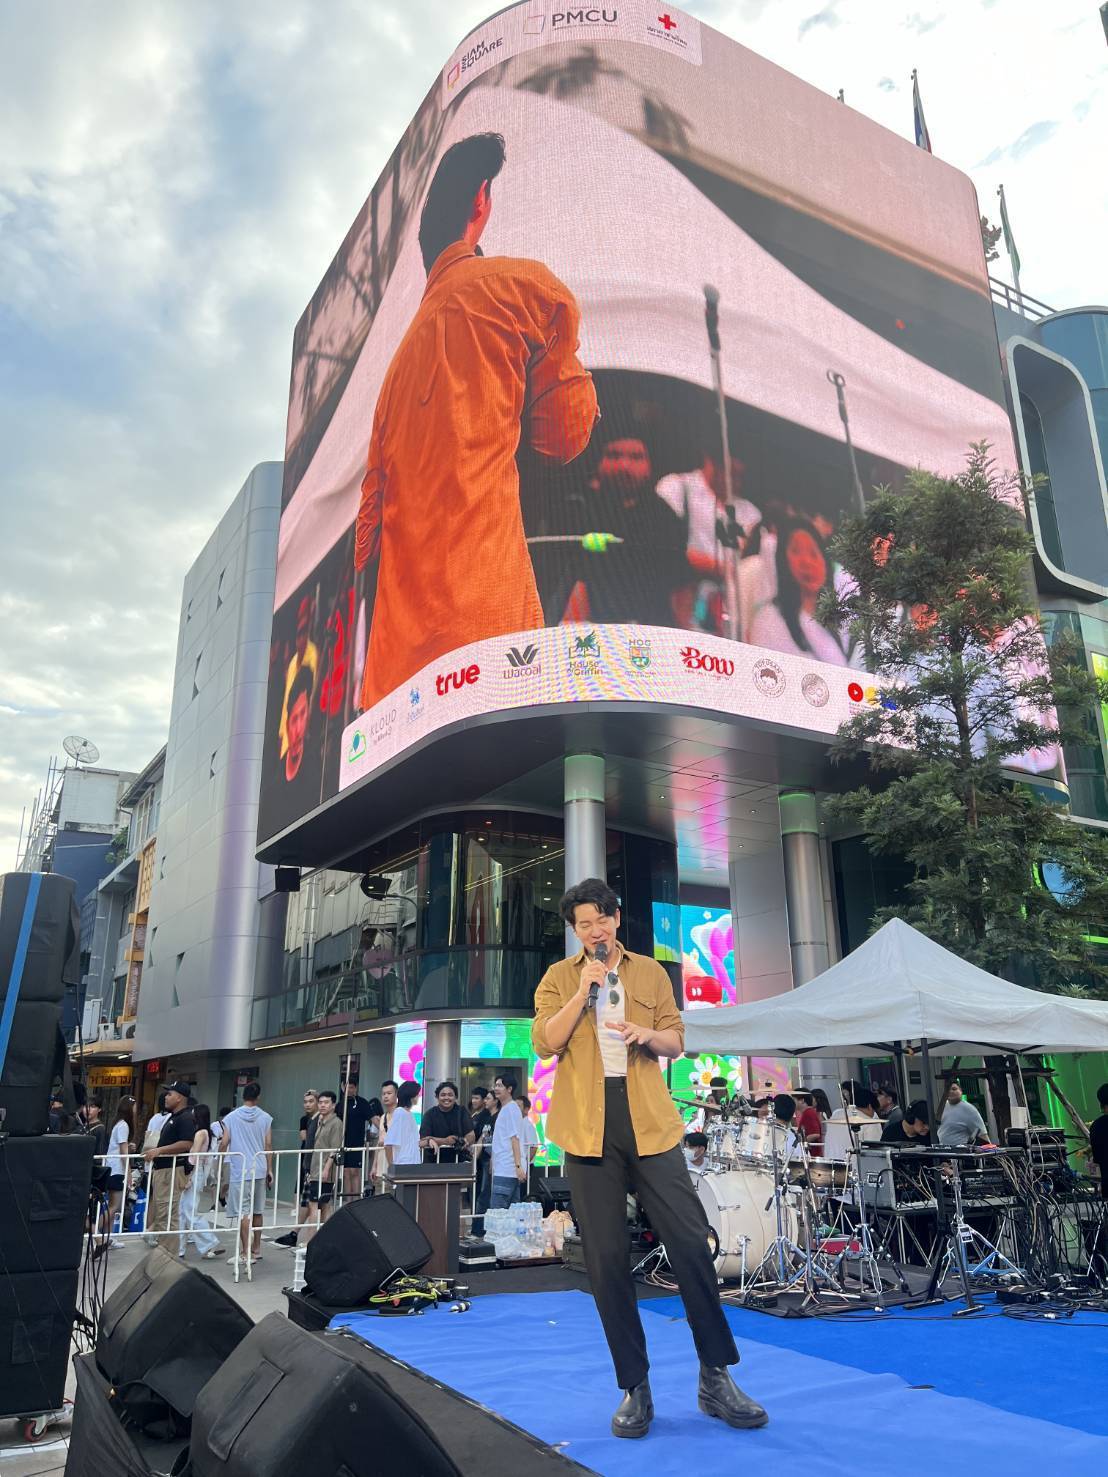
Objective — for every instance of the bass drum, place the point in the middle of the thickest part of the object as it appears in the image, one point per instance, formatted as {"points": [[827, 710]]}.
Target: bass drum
{"points": [[735, 1204]]}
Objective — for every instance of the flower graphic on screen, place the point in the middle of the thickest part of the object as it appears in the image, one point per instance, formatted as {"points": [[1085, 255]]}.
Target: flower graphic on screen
{"points": [[411, 1068], [706, 1066]]}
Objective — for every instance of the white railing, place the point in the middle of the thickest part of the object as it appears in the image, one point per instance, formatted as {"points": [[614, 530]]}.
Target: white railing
{"points": [[210, 1211]]}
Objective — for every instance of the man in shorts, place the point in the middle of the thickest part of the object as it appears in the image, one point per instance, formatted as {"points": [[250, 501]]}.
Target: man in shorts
{"points": [[319, 1188], [248, 1139]]}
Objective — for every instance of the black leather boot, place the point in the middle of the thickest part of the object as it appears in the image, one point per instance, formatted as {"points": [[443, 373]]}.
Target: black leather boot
{"points": [[720, 1396], [635, 1412]]}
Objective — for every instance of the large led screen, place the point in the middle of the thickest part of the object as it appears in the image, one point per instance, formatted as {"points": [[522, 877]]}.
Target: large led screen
{"points": [[569, 412]]}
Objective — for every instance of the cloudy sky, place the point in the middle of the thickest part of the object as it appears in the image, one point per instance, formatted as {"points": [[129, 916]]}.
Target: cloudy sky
{"points": [[174, 178]]}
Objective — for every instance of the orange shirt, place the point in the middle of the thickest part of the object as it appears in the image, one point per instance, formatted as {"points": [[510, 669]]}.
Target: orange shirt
{"points": [[491, 355]]}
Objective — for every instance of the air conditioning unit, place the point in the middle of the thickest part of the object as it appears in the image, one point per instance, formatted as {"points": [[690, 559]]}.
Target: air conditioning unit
{"points": [[90, 1019], [108, 1032]]}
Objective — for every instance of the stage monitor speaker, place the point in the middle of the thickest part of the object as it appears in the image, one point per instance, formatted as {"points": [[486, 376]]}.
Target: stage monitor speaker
{"points": [[288, 1402], [286, 879], [37, 1311], [101, 1445], [44, 1201], [552, 1191], [362, 1244], [164, 1332], [36, 1058]]}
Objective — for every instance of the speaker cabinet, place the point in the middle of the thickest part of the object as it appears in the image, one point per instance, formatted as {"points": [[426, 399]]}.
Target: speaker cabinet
{"points": [[164, 1333], [44, 1198], [359, 1247], [37, 1310]]}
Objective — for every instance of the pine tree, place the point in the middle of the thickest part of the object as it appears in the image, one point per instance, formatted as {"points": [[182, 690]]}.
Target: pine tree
{"points": [[941, 599]]}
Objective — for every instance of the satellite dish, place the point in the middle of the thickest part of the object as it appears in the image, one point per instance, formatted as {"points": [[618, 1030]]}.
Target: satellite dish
{"points": [[81, 750]]}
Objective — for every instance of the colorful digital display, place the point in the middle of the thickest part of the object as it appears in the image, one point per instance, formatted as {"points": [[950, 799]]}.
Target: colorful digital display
{"points": [[508, 479]]}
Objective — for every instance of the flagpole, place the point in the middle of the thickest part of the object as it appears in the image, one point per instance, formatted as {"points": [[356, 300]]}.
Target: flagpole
{"points": [[1009, 243]]}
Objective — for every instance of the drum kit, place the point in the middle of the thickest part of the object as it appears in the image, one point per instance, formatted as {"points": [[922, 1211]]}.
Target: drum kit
{"points": [[778, 1216]]}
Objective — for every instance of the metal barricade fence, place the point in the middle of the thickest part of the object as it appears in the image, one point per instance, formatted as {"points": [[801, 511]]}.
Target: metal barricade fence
{"points": [[216, 1201]]}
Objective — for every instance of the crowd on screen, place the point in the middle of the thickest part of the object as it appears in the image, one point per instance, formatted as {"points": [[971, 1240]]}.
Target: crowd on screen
{"points": [[686, 553]]}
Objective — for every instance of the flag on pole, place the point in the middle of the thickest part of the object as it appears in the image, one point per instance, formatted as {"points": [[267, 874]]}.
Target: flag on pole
{"points": [[1009, 241], [923, 138]]}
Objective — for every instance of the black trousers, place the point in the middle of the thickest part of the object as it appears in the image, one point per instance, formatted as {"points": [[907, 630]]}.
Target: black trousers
{"points": [[664, 1186]]}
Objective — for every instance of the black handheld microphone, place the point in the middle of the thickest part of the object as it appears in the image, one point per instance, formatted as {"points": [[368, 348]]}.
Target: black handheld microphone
{"points": [[594, 989], [711, 316]]}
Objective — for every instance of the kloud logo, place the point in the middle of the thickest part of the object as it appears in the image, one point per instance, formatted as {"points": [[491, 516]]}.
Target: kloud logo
{"points": [[769, 678], [357, 747], [696, 660], [815, 690], [591, 16], [381, 727], [871, 695], [522, 662], [454, 681]]}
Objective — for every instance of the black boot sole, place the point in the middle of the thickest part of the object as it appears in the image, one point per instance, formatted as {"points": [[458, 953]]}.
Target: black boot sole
{"points": [[631, 1433], [739, 1423]]}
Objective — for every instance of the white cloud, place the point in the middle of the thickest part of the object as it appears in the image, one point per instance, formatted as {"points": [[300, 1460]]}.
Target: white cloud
{"points": [[174, 179]]}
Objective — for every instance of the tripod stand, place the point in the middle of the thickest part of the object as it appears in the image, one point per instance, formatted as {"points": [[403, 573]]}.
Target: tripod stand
{"points": [[953, 1246]]}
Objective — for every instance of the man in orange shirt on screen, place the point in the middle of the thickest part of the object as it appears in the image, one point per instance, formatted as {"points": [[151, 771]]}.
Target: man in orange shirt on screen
{"points": [[489, 359]]}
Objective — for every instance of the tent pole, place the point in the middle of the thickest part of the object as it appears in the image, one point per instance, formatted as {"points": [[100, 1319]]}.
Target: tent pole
{"points": [[902, 1084], [929, 1092]]}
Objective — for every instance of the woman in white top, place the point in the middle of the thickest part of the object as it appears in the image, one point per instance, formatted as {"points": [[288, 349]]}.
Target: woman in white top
{"points": [[788, 621], [121, 1144], [203, 1162]]}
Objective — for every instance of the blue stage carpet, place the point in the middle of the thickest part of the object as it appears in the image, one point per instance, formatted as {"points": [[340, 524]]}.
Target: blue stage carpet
{"points": [[840, 1396]]}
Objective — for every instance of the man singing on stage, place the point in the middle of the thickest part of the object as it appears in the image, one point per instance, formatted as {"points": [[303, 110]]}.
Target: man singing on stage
{"points": [[490, 358], [609, 1015]]}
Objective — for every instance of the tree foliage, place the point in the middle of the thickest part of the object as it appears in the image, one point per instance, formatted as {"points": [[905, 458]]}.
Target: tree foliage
{"points": [[940, 598], [990, 235]]}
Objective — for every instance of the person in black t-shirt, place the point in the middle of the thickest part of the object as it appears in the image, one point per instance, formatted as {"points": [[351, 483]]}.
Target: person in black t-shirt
{"points": [[447, 1129], [355, 1115], [1098, 1139], [168, 1163], [911, 1131]]}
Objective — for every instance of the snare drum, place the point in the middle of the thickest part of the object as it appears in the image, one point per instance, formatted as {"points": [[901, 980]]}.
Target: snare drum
{"points": [[721, 1145], [735, 1204]]}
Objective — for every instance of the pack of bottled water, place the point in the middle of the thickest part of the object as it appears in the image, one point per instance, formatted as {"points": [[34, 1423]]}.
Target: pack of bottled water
{"points": [[515, 1231]]}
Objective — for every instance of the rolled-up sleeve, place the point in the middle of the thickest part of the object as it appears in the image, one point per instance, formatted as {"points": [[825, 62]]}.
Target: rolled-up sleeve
{"points": [[547, 1004], [561, 406]]}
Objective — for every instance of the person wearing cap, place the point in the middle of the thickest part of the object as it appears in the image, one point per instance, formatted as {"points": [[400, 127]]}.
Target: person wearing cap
{"points": [[168, 1162]]}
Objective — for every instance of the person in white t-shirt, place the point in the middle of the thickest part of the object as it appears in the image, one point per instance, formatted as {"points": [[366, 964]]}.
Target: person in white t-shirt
{"points": [[121, 1145], [509, 1161], [529, 1138], [248, 1139], [402, 1138]]}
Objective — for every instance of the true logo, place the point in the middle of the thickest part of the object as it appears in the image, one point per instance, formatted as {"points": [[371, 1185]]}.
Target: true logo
{"points": [[454, 681]]}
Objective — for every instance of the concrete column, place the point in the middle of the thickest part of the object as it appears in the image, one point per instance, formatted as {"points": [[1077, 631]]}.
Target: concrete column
{"points": [[586, 852], [442, 1057], [807, 916]]}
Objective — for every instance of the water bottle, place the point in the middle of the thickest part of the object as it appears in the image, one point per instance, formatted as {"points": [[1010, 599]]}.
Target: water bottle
{"points": [[299, 1258]]}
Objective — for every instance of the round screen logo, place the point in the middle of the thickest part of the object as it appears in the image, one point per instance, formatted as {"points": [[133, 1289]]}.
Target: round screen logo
{"points": [[815, 690], [769, 678]]}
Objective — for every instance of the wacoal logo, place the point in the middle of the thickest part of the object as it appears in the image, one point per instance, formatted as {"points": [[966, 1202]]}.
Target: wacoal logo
{"points": [[695, 660], [522, 662], [454, 681]]}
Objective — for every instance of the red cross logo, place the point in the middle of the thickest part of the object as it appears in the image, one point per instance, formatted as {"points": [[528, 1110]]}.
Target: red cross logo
{"points": [[667, 21]]}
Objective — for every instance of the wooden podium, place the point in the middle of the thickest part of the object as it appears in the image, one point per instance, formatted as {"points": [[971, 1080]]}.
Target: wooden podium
{"points": [[432, 1196]]}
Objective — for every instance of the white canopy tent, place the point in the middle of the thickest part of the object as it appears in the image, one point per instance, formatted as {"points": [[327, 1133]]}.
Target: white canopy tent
{"points": [[897, 987]]}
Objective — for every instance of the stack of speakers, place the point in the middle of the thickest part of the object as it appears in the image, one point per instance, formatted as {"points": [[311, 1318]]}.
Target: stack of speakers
{"points": [[183, 1382], [44, 1181]]}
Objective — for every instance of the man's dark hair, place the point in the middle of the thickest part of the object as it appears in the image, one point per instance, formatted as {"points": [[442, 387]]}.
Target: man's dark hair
{"points": [[407, 1093], [1102, 1094], [916, 1112], [327, 1093], [446, 1082], [251, 1092], [863, 1099], [594, 891], [525, 1104], [390, 1082], [508, 1081], [303, 682], [462, 170], [887, 1091], [784, 1106], [696, 1140]]}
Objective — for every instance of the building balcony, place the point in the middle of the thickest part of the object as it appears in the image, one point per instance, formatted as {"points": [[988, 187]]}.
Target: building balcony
{"points": [[459, 980]]}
